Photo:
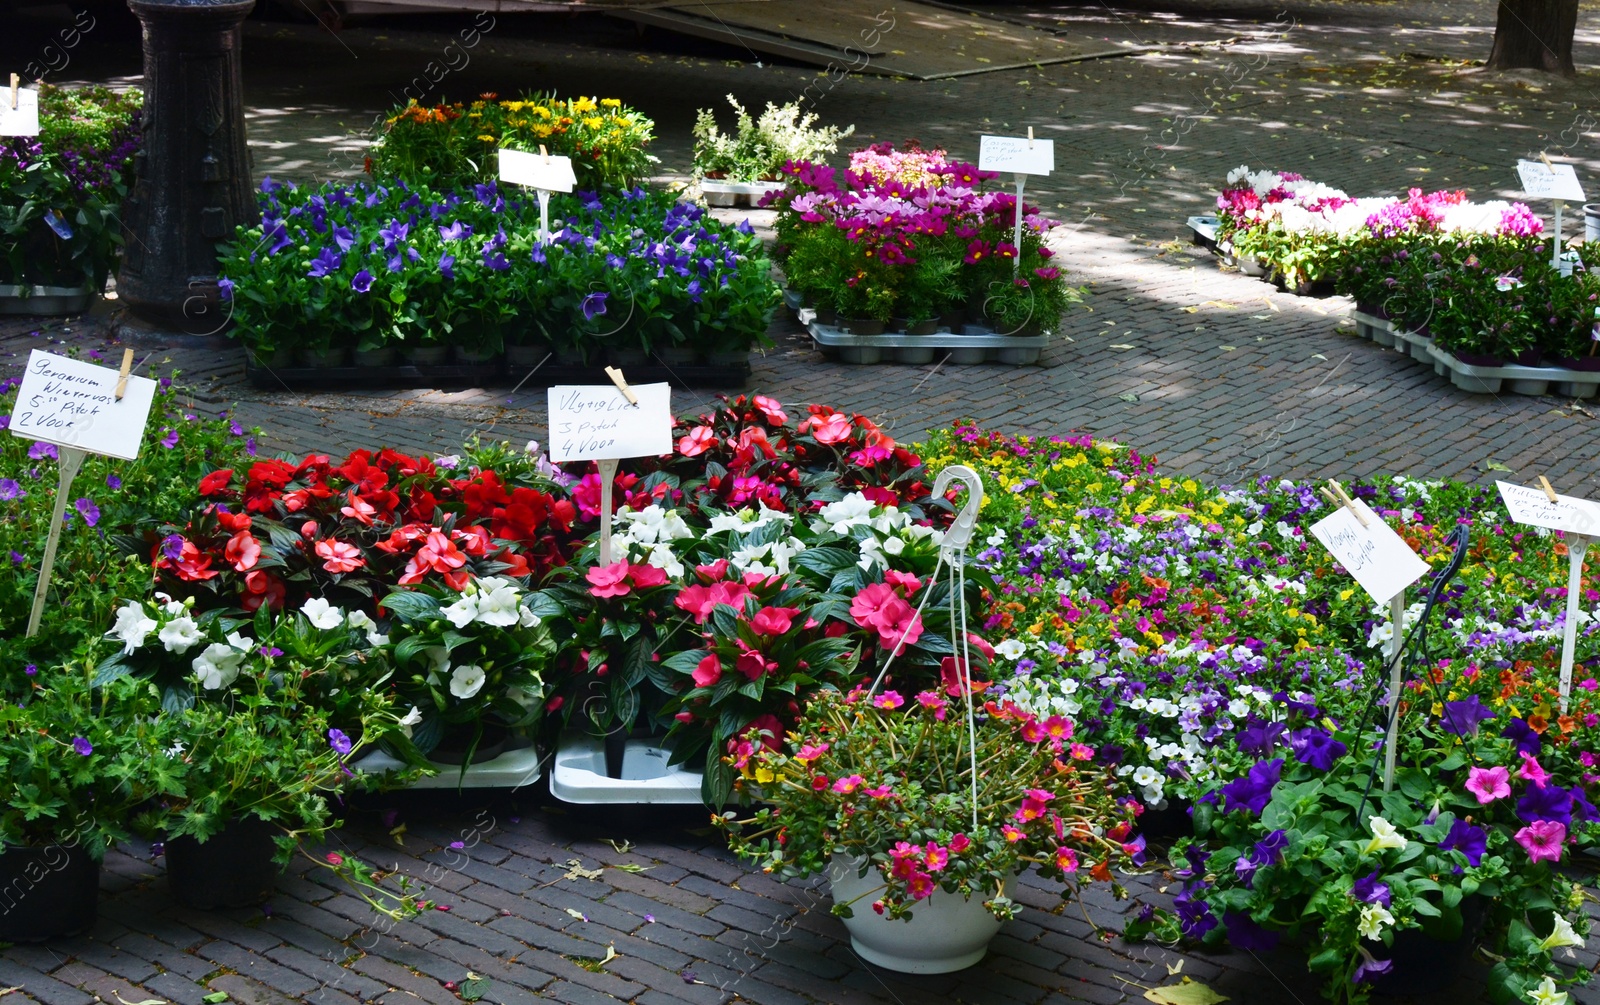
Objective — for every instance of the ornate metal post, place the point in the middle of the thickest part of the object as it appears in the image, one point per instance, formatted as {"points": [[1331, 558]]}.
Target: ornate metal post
{"points": [[192, 182]]}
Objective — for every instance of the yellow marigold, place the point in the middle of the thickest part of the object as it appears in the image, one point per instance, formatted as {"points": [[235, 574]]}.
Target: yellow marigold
{"points": [[610, 103]]}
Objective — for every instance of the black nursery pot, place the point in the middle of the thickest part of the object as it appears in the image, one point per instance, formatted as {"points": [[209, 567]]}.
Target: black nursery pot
{"points": [[46, 893], [1169, 823], [232, 869], [1423, 964]]}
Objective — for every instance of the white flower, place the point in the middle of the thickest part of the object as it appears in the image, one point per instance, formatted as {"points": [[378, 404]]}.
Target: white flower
{"points": [[730, 521], [1146, 776], [375, 638], [241, 642], [662, 558], [674, 529], [439, 660], [463, 611], [893, 545], [132, 627], [498, 604], [360, 619], [1373, 918], [1546, 994], [218, 666], [176, 750], [179, 635], [172, 608], [996, 539], [854, 510], [1384, 836], [322, 614], [1011, 649], [412, 718], [1561, 935], [467, 681], [528, 619]]}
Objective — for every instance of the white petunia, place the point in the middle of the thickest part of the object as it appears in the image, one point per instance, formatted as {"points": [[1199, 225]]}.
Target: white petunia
{"points": [[1374, 917], [132, 627], [1561, 935], [1384, 835], [467, 681], [218, 666], [1546, 993], [1011, 649], [179, 635], [322, 614], [1146, 776]]}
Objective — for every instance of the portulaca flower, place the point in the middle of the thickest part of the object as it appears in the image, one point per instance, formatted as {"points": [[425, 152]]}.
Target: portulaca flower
{"points": [[132, 627], [218, 666], [179, 635], [322, 614], [467, 681]]}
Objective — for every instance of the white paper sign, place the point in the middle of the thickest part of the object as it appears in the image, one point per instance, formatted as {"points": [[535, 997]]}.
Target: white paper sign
{"points": [[22, 120], [1559, 181], [595, 422], [1531, 506], [553, 174], [1016, 155], [1378, 558], [74, 404]]}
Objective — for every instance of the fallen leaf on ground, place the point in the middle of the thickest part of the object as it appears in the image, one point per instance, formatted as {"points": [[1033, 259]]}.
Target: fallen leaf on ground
{"points": [[1130, 396], [577, 871], [1186, 993]]}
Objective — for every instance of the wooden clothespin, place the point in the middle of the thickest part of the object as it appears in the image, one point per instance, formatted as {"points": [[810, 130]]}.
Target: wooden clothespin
{"points": [[1544, 483], [1546, 158], [1030, 137], [122, 378], [15, 80], [1335, 494], [544, 153], [622, 385]]}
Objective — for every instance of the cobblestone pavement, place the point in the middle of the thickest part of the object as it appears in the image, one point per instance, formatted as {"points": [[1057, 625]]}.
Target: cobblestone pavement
{"points": [[1217, 374]]}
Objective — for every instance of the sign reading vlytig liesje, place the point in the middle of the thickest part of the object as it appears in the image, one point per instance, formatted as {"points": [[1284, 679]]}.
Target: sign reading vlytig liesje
{"points": [[72, 403], [596, 422]]}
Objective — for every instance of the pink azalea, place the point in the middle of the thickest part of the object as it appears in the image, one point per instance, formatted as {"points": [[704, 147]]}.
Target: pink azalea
{"points": [[1489, 784], [1542, 839]]}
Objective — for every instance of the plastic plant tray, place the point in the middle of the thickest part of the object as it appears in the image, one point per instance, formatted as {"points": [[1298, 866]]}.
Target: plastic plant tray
{"points": [[578, 774], [512, 769], [1205, 230], [732, 193], [1511, 377], [972, 344], [488, 374]]}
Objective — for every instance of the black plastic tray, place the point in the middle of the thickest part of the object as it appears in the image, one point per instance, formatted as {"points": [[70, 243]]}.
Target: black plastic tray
{"points": [[457, 375]]}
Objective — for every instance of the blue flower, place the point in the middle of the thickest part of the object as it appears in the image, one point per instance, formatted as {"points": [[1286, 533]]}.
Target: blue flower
{"points": [[1316, 747], [495, 261], [327, 262], [1367, 890], [1520, 733], [594, 305], [396, 263], [1244, 933], [1462, 717], [1259, 737], [339, 741], [1369, 968], [1253, 791], [225, 288], [1194, 915], [447, 266], [1468, 840], [693, 289], [591, 202], [344, 237], [1269, 850], [1549, 803], [91, 512], [362, 281], [40, 450]]}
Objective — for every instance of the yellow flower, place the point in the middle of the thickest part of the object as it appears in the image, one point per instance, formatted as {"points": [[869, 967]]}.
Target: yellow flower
{"points": [[764, 775], [584, 105], [541, 111], [485, 137], [624, 120], [610, 103], [513, 106], [541, 131], [594, 121]]}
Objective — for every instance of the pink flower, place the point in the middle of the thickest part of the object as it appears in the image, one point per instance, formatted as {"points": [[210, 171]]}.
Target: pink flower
{"points": [[1081, 752], [1489, 784], [773, 620], [1058, 728], [1013, 834], [888, 700], [920, 886], [771, 409], [608, 580], [936, 858], [1066, 860], [708, 672], [849, 784], [1542, 839], [810, 752], [960, 843], [699, 440], [931, 699], [1033, 731], [904, 580], [1532, 772]]}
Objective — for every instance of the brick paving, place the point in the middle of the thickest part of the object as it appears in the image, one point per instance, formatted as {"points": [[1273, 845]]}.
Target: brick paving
{"points": [[1217, 374]]}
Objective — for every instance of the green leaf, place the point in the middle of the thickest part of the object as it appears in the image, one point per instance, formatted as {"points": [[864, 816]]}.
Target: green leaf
{"points": [[214, 997], [110, 669], [409, 605]]}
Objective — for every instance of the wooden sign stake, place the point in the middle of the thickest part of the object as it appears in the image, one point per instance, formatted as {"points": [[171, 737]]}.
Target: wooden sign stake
{"points": [[1397, 618], [15, 80], [1544, 483], [71, 460], [122, 378], [1335, 494], [608, 474]]}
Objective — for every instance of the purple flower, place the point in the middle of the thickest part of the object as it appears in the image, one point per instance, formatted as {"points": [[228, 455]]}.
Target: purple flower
{"points": [[594, 305], [32, 669], [1194, 914], [170, 440], [90, 512], [17, 558], [82, 746], [1244, 868], [447, 265], [1269, 850], [457, 231], [1520, 733], [5, 421], [1368, 890], [325, 264], [235, 429], [11, 489], [1549, 803], [250, 446], [270, 651], [495, 261], [344, 237], [1244, 933], [1253, 791], [1316, 747], [1259, 737], [1369, 968], [1468, 840], [458, 846], [362, 282], [113, 482], [40, 450], [225, 289], [172, 546], [1462, 717], [339, 741]]}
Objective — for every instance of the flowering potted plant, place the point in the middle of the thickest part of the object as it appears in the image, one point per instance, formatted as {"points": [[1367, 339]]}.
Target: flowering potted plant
{"points": [[758, 149], [877, 791]]}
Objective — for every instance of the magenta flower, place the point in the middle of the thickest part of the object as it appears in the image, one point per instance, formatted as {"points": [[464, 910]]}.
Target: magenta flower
{"points": [[1532, 772], [1542, 840], [1489, 784]]}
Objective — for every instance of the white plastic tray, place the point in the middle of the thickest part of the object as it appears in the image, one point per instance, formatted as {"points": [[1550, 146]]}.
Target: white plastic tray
{"points": [[578, 774], [512, 769]]}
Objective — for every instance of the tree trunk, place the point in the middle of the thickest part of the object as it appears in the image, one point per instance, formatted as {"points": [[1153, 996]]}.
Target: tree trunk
{"points": [[1534, 35]]}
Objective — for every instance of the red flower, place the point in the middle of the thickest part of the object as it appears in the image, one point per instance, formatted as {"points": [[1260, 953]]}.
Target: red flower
{"points": [[950, 672], [192, 565], [770, 727], [271, 472], [773, 620], [339, 556], [708, 672], [608, 580], [359, 510], [262, 588], [713, 572], [233, 523], [754, 665], [830, 428], [699, 440], [439, 554], [216, 483], [645, 576], [242, 550], [771, 409]]}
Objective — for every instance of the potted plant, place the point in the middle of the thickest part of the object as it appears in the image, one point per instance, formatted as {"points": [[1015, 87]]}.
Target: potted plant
{"points": [[77, 763], [876, 790], [728, 166]]}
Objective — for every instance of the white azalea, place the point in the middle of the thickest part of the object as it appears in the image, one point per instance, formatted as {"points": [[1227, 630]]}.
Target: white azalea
{"points": [[1384, 836], [322, 614], [1011, 649], [179, 635], [467, 681], [1373, 919], [132, 627], [218, 666]]}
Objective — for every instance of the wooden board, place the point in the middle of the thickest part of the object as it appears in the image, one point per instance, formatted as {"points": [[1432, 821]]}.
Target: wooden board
{"points": [[916, 40]]}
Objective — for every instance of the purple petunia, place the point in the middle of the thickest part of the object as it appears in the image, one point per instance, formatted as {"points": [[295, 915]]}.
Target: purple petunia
{"points": [[1243, 933], [1369, 968], [172, 546], [1316, 747], [1259, 737], [1462, 717], [1522, 734], [1549, 803], [1368, 890], [1467, 839], [1254, 790]]}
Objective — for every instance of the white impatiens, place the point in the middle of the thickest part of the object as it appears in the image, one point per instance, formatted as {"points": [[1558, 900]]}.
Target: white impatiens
{"points": [[411, 718], [467, 681], [217, 666], [322, 614], [490, 600], [361, 621], [179, 635], [132, 627], [854, 510]]}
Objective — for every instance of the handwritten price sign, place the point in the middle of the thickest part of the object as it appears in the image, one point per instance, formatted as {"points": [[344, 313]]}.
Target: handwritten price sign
{"points": [[592, 423], [1377, 557], [74, 404]]}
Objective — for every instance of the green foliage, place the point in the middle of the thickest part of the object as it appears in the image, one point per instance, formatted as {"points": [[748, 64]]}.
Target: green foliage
{"points": [[759, 148]]}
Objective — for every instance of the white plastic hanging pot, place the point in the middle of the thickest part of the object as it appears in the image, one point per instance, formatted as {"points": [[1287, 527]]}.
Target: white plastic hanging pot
{"points": [[945, 932]]}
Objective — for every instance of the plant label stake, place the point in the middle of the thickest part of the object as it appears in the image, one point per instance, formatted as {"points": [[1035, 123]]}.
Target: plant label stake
{"points": [[1021, 157], [1556, 182], [80, 409], [19, 115], [1577, 519], [1383, 565], [605, 423], [542, 173]]}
